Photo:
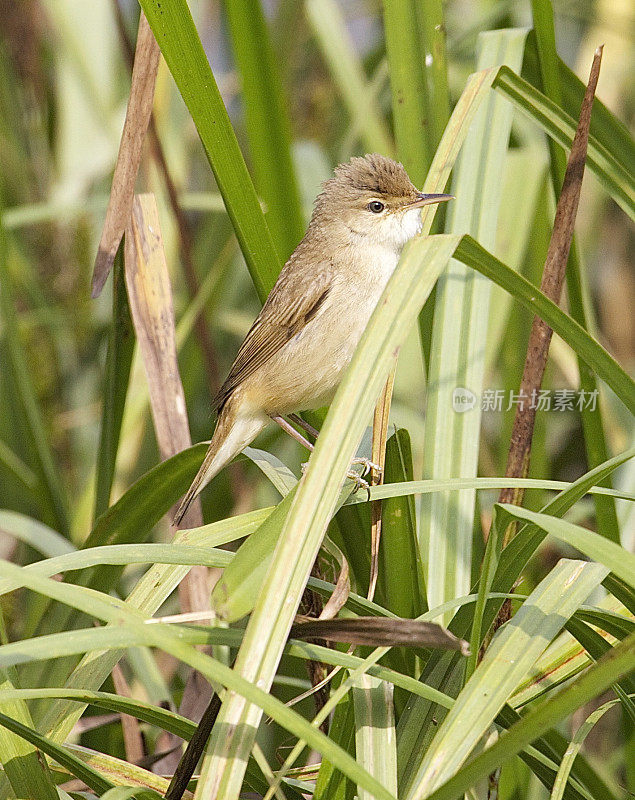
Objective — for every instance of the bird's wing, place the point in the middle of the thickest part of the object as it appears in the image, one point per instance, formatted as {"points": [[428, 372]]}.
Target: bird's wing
{"points": [[292, 304]]}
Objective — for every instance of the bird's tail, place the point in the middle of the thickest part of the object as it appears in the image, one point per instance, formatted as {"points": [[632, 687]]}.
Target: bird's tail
{"points": [[234, 431]]}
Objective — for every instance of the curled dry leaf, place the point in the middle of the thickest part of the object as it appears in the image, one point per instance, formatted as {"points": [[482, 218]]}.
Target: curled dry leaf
{"points": [[381, 632]]}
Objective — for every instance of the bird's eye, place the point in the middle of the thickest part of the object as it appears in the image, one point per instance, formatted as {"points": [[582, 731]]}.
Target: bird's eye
{"points": [[375, 206]]}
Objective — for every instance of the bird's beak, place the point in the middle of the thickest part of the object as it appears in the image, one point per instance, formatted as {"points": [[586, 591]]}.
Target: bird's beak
{"points": [[429, 199]]}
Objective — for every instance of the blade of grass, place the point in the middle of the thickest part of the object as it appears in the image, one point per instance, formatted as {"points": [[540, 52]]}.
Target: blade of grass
{"points": [[590, 352], [409, 89], [49, 493], [605, 126], [375, 744], [508, 658], [543, 717], [593, 545], [560, 126], [176, 33], [74, 765], [460, 328], [32, 532], [267, 122], [338, 49], [230, 743], [433, 33], [583, 731], [121, 342]]}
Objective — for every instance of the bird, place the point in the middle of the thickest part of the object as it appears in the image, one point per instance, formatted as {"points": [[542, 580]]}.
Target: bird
{"points": [[297, 350]]}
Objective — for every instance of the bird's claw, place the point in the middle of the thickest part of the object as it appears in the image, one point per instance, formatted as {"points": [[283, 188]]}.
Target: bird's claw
{"points": [[368, 465], [358, 480]]}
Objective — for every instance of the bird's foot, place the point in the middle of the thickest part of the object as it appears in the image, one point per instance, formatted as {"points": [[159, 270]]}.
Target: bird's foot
{"points": [[359, 481], [368, 465]]}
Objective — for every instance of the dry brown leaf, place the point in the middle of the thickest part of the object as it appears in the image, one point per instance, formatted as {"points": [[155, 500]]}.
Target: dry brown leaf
{"points": [[551, 284], [132, 738], [144, 75], [150, 298], [380, 632]]}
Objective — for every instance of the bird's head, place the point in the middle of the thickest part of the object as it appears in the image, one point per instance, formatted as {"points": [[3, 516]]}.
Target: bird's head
{"points": [[373, 197]]}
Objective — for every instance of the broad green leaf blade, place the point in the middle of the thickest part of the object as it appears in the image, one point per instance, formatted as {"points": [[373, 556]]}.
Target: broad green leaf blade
{"points": [[115, 611], [412, 281], [375, 742], [433, 35], [267, 121], [616, 177], [178, 39], [330, 783], [461, 318], [401, 584], [615, 558], [60, 754], [511, 653], [594, 355], [237, 589], [409, 89], [541, 718]]}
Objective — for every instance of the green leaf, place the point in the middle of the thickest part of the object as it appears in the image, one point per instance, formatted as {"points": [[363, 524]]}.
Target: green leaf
{"points": [[583, 731], [121, 343], [401, 586], [541, 718], [174, 30], [49, 493], [37, 535], [409, 87], [375, 743], [511, 653], [63, 757], [474, 255], [268, 126], [461, 319], [596, 547], [616, 177]]}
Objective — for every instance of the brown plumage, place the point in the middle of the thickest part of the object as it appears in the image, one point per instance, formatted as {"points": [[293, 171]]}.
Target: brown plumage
{"points": [[296, 351]]}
